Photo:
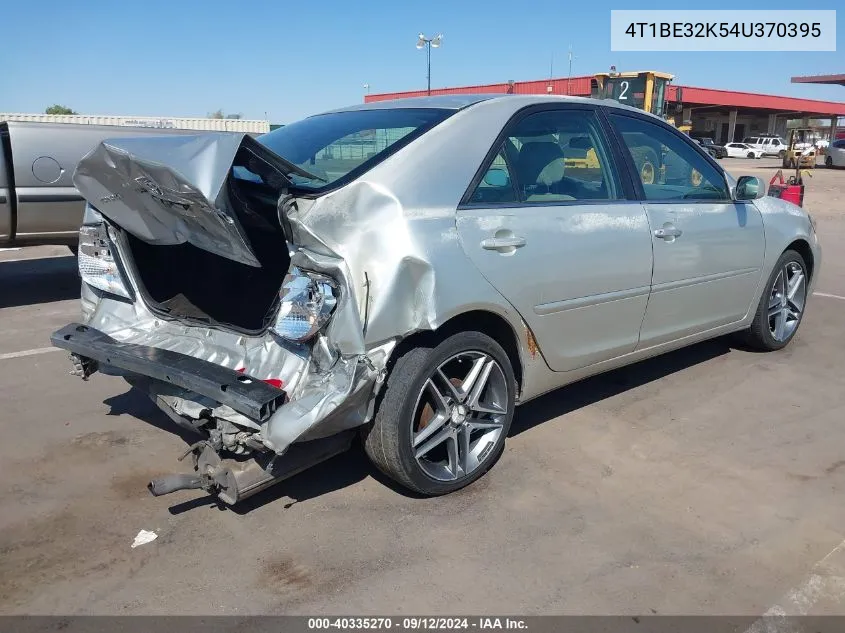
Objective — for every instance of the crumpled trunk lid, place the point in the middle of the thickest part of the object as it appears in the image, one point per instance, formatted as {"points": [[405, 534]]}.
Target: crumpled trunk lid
{"points": [[185, 192], [171, 189]]}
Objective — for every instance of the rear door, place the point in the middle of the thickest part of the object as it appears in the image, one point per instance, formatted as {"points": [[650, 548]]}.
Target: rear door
{"points": [[708, 249], [552, 224]]}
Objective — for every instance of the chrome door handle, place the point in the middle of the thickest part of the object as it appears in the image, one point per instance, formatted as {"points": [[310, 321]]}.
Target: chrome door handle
{"points": [[668, 232], [502, 243]]}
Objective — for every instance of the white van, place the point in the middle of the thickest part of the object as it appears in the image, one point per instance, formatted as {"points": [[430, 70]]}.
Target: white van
{"points": [[770, 145]]}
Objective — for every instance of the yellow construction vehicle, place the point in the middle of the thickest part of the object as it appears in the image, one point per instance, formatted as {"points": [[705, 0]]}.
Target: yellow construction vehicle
{"points": [[643, 89], [646, 90]]}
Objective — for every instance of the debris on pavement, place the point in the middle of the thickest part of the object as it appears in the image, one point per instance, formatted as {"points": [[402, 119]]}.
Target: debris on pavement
{"points": [[144, 537]]}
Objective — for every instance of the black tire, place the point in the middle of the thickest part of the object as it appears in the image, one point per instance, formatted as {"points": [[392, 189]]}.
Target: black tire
{"points": [[388, 439], [750, 155], [759, 335], [781, 154], [828, 161]]}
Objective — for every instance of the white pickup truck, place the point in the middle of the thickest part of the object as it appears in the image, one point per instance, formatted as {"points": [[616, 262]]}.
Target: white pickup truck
{"points": [[38, 202]]}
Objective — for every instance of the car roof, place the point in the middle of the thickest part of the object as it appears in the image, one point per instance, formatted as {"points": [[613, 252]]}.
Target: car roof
{"points": [[460, 101]]}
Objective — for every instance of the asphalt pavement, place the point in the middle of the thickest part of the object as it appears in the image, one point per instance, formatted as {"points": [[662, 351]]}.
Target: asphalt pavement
{"points": [[706, 481]]}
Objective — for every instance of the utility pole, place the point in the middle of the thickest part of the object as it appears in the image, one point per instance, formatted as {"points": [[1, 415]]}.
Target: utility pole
{"points": [[569, 78]]}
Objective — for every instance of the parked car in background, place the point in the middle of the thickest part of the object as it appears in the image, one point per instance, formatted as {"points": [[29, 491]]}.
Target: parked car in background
{"points": [[742, 150], [770, 145], [716, 151], [38, 202], [835, 154], [418, 292]]}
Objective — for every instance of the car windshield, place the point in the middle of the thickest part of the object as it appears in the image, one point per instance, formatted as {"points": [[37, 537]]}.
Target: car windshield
{"points": [[340, 146]]}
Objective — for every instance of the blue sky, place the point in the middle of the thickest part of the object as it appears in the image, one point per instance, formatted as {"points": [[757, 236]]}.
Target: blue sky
{"points": [[286, 59]]}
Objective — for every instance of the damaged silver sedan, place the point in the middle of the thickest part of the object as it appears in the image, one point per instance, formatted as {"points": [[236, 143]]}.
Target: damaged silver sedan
{"points": [[411, 271]]}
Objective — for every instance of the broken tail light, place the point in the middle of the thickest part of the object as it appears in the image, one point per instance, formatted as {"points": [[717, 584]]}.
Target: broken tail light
{"points": [[307, 302], [97, 265]]}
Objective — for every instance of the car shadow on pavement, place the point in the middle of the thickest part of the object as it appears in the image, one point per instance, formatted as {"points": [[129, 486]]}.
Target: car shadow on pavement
{"points": [[29, 281], [353, 466], [591, 390], [137, 404], [336, 473]]}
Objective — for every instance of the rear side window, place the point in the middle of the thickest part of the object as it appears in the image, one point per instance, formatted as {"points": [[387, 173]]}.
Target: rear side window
{"points": [[550, 157], [339, 146], [496, 186], [668, 167]]}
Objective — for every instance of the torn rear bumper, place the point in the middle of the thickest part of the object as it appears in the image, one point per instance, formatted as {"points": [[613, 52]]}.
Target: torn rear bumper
{"points": [[250, 397]]}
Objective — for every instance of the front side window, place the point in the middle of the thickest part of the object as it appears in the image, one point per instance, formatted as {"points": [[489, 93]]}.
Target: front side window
{"points": [[668, 167], [339, 144], [554, 156]]}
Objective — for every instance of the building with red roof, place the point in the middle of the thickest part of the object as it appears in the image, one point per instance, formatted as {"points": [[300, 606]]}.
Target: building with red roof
{"points": [[723, 115]]}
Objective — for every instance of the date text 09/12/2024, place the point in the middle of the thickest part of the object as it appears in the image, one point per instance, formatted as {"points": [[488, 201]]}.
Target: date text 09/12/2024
{"points": [[417, 623]]}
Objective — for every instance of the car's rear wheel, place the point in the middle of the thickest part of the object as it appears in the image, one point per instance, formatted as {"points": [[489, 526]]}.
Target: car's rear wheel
{"points": [[781, 307], [444, 414]]}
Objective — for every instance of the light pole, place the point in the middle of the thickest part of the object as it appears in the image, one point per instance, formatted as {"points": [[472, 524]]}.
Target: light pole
{"points": [[569, 77], [428, 43]]}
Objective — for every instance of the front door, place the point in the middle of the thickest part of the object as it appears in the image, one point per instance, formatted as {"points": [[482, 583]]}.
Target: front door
{"points": [[551, 228], [708, 249]]}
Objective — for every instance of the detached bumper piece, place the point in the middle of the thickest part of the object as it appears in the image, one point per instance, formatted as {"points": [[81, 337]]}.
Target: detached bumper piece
{"points": [[249, 396]]}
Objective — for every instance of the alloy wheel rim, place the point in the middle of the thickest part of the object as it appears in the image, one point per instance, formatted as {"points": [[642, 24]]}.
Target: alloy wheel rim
{"points": [[786, 301], [459, 416]]}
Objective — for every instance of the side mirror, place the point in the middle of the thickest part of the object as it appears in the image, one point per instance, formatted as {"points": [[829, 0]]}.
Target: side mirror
{"points": [[497, 178], [749, 188]]}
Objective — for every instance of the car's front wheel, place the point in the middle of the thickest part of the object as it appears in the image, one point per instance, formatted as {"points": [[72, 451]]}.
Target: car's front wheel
{"points": [[750, 155], [781, 307], [444, 414], [828, 161]]}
